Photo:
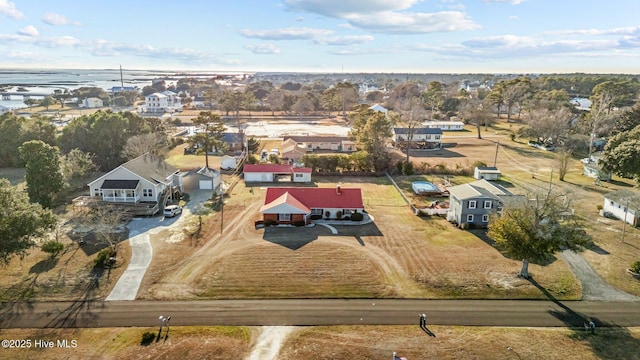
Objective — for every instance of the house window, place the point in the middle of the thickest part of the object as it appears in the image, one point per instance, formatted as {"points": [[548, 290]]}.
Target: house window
{"points": [[472, 204], [485, 218], [487, 204], [611, 203], [147, 192], [284, 217], [469, 218], [299, 175], [98, 192], [437, 137]]}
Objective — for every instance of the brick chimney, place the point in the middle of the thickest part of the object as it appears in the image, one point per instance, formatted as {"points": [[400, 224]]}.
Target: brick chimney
{"points": [[338, 190]]}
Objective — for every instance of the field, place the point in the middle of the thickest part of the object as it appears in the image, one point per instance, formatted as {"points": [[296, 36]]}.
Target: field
{"points": [[338, 342], [400, 255]]}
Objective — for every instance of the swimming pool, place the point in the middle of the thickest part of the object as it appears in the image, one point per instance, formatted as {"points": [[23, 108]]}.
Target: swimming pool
{"points": [[421, 187]]}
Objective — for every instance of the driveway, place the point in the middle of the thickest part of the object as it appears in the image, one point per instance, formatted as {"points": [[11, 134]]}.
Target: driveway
{"points": [[140, 230], [593, 287]]}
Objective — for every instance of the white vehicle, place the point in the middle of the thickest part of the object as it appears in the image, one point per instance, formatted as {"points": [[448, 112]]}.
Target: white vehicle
{"points": [[172, 210]]}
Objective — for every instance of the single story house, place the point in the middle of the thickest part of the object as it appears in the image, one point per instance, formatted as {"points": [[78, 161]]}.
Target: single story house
{"points": [[623, 204], [289, 205], [593, 170], [331, 143], [145, 179], [486, 172], [474, 202], [421, 138], [275, 173], [445, 125], [292, 151], [92, 103]]}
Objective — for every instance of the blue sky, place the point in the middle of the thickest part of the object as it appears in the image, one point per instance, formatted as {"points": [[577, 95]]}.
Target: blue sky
{"points": [[425, 36]]}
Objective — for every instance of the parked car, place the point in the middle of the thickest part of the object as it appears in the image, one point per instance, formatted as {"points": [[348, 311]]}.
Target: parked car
{"points": [[172, 210]]}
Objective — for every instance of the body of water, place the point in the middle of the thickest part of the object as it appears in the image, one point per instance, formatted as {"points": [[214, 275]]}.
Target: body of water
{"points": [[45, 81]]}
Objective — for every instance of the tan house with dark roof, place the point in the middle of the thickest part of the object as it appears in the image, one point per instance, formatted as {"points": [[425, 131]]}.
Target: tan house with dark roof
{"points": [[331, 143]]}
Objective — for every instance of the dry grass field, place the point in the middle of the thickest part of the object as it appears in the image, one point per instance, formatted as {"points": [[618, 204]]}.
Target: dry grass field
{"points": [[399, 255], [338, 342]]}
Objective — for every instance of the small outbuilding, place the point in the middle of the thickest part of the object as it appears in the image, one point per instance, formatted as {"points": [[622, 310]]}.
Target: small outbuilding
{"points": [[593, 170], [276, 173], [487, 173], [228, 162]]}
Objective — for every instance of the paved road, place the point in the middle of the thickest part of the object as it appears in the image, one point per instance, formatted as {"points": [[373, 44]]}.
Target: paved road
{"points": [[319, 312]]}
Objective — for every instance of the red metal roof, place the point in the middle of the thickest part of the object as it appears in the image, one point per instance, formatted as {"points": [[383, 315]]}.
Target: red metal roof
{"points": [[268, 168], [284, 199], [319, 198], [302, 170]]}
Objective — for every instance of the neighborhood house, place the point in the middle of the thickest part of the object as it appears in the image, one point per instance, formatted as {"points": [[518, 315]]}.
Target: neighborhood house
{"points": [[419, 138], [146, 179], [624, 205], [486, 172], [445, 125], [474, 202], [293, 205], [330, 143], [275, 173]]}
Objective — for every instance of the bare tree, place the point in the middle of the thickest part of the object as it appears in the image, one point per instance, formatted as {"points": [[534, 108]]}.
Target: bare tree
{"points": [[412, 115], [477, 112], [563, 163], [549, 126], [152, 143]]}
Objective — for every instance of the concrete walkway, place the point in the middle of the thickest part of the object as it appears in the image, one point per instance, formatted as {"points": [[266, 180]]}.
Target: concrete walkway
{"points": [[593, 286], [141, 253]]}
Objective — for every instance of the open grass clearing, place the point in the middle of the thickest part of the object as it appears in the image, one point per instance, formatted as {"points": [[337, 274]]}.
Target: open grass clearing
{"points": [[400, 255], [193, 342], [379, 342], [336, 342]]}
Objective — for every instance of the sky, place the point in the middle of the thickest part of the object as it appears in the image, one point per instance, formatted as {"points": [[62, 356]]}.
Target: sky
{"points": [[351, 36]]}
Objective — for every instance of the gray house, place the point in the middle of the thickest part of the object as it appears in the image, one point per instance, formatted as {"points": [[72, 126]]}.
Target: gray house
{"points": [[472, 203]]}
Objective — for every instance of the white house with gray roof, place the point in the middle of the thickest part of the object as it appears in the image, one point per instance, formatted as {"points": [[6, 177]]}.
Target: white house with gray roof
{"points": [[420, 138], [474, 202], [145, 179], [623, 204]]}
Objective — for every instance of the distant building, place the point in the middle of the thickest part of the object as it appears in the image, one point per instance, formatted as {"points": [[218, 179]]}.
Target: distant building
{"points": [[378, 108], [331, 143], [445, 125], [623, 204], [486, 172], [92, 103], [166, 101], [117, 89], [421, 138]]}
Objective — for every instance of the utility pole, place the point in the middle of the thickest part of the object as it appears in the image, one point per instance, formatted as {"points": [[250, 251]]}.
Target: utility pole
{"points": [[495, 158], [221, 212], [624, 221]]}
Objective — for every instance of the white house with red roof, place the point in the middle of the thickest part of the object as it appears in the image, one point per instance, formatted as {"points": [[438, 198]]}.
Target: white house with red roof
{"points": [[287, 205], [275, 173]]}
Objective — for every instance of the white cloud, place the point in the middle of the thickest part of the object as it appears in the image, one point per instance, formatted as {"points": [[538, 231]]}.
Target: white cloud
{"points": [[29, 30], [57, 20], [263, 49], [59, 41], [8, 8], [414, 23], [340, 8], [513, 17], [344, 40], [593, 32], [291, 33], [513, 2], [386, 16]]}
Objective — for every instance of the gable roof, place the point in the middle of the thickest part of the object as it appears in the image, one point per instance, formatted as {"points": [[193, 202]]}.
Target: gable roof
{"points": [[378, 107], [232, 137], [622, 196], [319, 198], [285, 204], [480, 188], [150, 167], [418, 131]]}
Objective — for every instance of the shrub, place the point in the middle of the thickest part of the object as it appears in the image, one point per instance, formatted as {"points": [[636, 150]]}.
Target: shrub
{"points": [[338, 214], [299, 223], [52, 247], [357, 217], [327, 214], [464, 226], [147, 338], [270, 222], [512, 136], [316, 217], [635, 267], [102, 260], [599, 207]]}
